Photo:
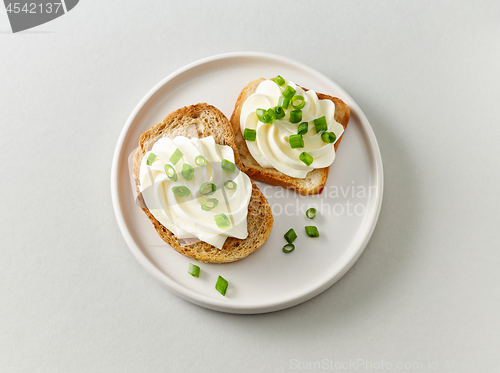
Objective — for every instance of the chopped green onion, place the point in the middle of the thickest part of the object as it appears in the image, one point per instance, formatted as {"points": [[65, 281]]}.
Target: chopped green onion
{"points": [[303, 128], [170, 172], [312, 231], [181, 191], [194, 270], [279, 80], [295, 116], [311, 213], [328, 137], [296, 141], [222, 221], [249, 134], [320, 124], [176, 156], [230, 185], [151, 159], [280, 112], [200, 160], [221, 285], [263, 116], [284, 102], [187, 172], [228, 165], [288, 92], [306, 158], [301, 103], [288, 248], [290, 236], [272, 115], [209, 204], [207, 189]]}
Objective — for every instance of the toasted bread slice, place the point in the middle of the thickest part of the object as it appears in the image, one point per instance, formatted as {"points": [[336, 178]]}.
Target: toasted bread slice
{"points": [[315, 180], [199, 121]]}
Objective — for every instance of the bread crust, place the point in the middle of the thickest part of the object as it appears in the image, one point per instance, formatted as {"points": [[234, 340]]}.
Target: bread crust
{"points": [[199, 121], [315, 180]]}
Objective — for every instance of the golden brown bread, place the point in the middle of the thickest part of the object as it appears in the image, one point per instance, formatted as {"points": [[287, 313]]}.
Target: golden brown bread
{"points": [[199, 121], [315, 180]]}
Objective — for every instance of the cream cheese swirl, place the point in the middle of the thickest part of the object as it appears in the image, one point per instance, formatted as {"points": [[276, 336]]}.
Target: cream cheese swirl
{"points": [[184, 216], [271, 148]]}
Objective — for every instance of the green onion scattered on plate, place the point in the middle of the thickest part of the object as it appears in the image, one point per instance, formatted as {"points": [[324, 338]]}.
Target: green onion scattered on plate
{"points": [[221, 285], [290, 236], [312, 231], [311, 213], [194, 270]]}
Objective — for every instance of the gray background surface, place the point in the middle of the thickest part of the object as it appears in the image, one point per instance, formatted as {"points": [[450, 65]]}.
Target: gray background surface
{"points": [[426, 74]]}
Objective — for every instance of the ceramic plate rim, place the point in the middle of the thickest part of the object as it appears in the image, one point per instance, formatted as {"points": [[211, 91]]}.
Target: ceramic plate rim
{"points": [[223, 304]]}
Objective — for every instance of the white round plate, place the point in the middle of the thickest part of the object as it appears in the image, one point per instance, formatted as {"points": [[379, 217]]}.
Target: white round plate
{"points": [[267, 280]]}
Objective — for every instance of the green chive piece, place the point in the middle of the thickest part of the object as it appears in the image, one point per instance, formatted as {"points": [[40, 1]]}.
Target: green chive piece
{"points": [[328, 137], [263, 116], [176, 156], [295, 116], [284, 102], [194, 270], [200, 161], [170, 172], [222, 221], [249, 134], [272, 115], [230, 185], [221, 285], [209, 204], [288, 248], [311, 213], [151, 159], [312, 231], [296, 141], [280, 112], [279, 80], [290, 236], [320, 124], [228, 165], [303, 128], [288, 92], [300, 100], [207, 189], [187, 172], [181, 191], [306, 158]]}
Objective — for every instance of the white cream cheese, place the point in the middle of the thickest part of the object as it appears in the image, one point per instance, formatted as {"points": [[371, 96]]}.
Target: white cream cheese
{"points": [[184, 216], [271, 148]]}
